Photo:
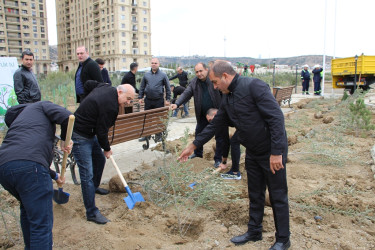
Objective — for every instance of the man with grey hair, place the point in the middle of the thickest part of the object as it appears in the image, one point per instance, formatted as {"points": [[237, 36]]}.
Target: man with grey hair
{"points": [[96, 114], [87, 69], [250, 107], [182, 77]]}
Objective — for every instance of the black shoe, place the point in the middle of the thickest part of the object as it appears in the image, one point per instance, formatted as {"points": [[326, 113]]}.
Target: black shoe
{"points": [[98, 218], [102, 191], [246, 237], [280, 246], [194, 155]]}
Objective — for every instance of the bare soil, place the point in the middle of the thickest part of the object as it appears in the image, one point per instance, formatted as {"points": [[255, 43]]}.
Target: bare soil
{"points": [[339, 190]]}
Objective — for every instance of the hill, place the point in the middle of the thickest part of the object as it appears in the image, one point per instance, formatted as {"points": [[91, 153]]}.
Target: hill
{"points": [[311, 60]]}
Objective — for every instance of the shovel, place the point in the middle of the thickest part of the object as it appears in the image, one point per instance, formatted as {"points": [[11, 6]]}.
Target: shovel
{"points": [[132, 198], [205, 178], [59, 196]]}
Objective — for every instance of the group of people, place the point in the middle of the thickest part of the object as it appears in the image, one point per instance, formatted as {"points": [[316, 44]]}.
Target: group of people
{"points": [[317, 79], [222, 99]]}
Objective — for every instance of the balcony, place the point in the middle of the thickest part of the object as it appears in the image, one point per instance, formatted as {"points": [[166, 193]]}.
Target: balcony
{"points": [[134, 21], [13, 27], [15, 44], [135, 29], [14, 35], [134, 12], [10, 3], [96, 17], [12, 12], [15, 51], [135, 38], [12, 19]]}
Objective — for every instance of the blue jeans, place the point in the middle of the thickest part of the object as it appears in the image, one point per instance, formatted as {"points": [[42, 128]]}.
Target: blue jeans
{"points": [[31, 184], [186, 110], [90, 160]]}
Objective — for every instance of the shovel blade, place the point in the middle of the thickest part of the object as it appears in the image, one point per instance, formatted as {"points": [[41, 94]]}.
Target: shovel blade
{"points": [[60, 197], [133, 198], [192, 185]]}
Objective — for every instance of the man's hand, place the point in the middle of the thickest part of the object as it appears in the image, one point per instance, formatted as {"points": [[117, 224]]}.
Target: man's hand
{"points": [[173, 107], [187, 152], [223, 166], [140, 101], [276, 163], [107, 154], [60, 180], [65, 148], [167, 103]]}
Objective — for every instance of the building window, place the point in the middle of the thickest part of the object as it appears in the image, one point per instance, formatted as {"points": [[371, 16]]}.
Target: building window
{"points": [[44, 51], [40, 7], [25, 34], [44, 58], [146, 60], [122, 17], [33, 6], [34, 21], [33, 13], [123, 43], [41, 14], [36, 50], [25, 11], [25, 19], [42, 29], [123, 25], [145, 52], [27, 42], [25, 26], [145, 44], [144, 11], [35, 35], [43, 36], [43, 43], [122, 8], [35, 29], [145, 36], [123, 59], [145, 20], [123, 34], [145, 28], [35, 42], [123, 51], [23, 3], [41, 22]]}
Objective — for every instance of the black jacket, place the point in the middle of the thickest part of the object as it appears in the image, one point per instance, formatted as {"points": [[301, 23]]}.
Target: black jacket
{"points": [[182, 78], [97, 112], [251, 108], [26, 86], [317, 76], [90, 71], [178, 90], [130, 79], [195, 90], [105, 76], [305, 75], [31, 133]]}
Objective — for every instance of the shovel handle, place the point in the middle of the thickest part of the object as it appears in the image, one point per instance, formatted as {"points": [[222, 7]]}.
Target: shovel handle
{"points": [[67, 141], [118, 171]]}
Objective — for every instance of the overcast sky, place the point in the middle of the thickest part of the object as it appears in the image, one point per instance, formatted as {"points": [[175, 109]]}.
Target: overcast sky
{"points": [[256, 28]]}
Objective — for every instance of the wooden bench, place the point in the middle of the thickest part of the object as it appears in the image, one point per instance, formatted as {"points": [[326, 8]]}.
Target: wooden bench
{"points": [[283, 94], [139, 124]]}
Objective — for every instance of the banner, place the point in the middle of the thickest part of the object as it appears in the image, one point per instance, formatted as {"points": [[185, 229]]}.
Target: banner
{"points": [[8, 65]]}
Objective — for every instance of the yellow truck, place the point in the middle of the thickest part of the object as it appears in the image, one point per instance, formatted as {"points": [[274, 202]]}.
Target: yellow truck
{"points": [[343, 72]]}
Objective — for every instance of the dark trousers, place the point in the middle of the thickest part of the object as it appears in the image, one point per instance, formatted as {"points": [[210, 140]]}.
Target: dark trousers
{"points": [[259, 176], [317, 88], [90, 160], [219, 137], [305, 86], [235, 152], [153, 104], [31, 184]]}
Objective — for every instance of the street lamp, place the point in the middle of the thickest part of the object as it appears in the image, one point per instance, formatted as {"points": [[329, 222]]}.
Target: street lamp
{"points": [[355, 74], [296, 77], [274, 66]]}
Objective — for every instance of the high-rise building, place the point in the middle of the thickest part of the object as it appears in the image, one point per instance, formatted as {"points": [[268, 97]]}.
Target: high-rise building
{"points": [[23, 26], [118, 31]]}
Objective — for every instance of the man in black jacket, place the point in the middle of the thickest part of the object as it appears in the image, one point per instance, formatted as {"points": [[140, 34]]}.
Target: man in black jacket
{"points": [[305, 77], [26, 85], [176, 92], [182, 77], [130, 76], [25, 158], [205, 97], [87, 69], [96, 114], [249, 105]]}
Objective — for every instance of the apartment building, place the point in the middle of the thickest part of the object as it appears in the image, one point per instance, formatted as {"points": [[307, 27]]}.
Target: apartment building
{"points": [[118, 31], [23, 26]]}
